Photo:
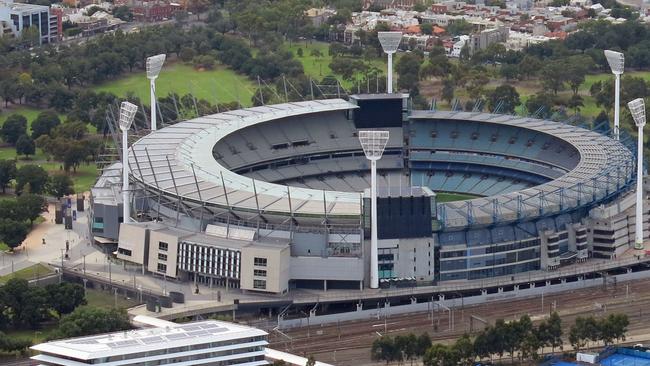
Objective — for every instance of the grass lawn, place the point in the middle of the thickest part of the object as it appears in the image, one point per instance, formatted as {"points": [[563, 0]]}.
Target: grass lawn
{"points": [[9, 152], [106, 300], [318, 67], [221, 84], [30, 113], [449, 197], [36, 335], [32, 272], [83, 179]]}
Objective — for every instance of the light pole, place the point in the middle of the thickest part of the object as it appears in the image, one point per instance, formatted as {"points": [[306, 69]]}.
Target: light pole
{"points": [[616, 61], [637, 109], [154, 65], [127, 113], [389, 43], [373, 144]]}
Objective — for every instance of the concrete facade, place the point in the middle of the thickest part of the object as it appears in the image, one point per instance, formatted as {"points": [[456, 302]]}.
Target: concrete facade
{"points": [[265, 268]]}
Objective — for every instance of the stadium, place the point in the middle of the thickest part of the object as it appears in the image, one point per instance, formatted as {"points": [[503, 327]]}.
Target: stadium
{"points": [[275, 197]]}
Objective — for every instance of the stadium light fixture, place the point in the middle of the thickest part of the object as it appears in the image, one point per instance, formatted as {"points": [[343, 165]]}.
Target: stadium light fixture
{"points": [[127, 114], [154, 65], [616, 61], [389, 43], [373, 143], [637, 109]]}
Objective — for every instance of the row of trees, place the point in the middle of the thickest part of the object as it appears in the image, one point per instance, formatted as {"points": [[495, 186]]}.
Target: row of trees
{"points": [[518, 338], [590, 329], [400, 348], [33, 179], [23, 306], [29, 307]]}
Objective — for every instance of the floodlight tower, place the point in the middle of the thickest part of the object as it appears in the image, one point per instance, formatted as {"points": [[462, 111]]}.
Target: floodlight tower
{"points": [[637, 109], [154, 65], [616, 61], [389, 43], [127, 114], [373, 144]]}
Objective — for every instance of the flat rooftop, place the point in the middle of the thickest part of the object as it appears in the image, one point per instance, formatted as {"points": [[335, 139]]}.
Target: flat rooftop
{"points": [[143, 340]]}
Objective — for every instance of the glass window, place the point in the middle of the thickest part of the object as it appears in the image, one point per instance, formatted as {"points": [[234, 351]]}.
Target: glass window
{"points": [[162, 267], [261, 262], [259, 272], [162, 257], [260, 284], [163, 246], [124, 251]]}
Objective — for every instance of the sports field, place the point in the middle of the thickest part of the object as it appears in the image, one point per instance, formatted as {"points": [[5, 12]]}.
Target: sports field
{"points": [[219, 85], [448, 197]]}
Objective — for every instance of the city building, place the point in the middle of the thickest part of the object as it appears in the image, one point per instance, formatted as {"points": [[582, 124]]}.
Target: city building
{"points": [[153, 11], [481, 40], [207, 342], [20, 16]]}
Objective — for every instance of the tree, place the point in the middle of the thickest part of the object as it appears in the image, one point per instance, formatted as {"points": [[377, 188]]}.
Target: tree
{"points": [[426, 28], [311, 361], [460, 27], [65, 297], [577, 334], [14, 126], [25, 146], [89, 320], [506, 97], [408, 71], [32, 175], [36, 308], [540, 105], [7, 173], [553, 76], [383, 349], [575, 102], [123, 12], [29, 207], [464, 348], [440, 355], [12, 232], [44, 123], [555, 331], [60, 185]]}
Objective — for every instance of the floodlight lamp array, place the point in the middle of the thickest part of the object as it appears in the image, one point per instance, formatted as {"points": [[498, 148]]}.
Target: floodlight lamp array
{"points": [[637, 109], [373, 143], [616, 61], [154, 65], [127, 114], [389, 41]]}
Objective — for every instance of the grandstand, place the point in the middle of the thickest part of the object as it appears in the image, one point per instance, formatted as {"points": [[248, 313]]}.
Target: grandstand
{"points": [[285, 183]]}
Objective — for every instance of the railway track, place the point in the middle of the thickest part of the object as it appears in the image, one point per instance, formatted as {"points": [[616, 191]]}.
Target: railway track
{"points": [[351, 341]]}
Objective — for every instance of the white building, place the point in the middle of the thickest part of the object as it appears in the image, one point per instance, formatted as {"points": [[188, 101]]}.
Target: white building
{"points": [[458, 46], [18, 17], [519, 40], [206, 343]]}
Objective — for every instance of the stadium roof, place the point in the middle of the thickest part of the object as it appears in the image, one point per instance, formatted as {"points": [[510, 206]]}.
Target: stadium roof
{"points": [[605, 165], [178, 160]]}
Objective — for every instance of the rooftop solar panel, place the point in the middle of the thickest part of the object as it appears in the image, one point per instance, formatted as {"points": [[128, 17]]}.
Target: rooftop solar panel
{"points": [[152, 340], [176, 336], [121, 344]]}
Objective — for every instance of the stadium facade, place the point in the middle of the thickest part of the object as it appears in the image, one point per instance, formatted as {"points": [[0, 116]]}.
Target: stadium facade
{"points": [[272, 197]]}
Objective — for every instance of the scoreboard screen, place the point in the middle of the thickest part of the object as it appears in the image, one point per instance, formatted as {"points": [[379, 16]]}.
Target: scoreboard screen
{"points": [[378, 111]]}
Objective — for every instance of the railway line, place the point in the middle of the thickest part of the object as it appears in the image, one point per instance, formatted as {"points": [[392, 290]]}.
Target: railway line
{"points": [[349, 343]]}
